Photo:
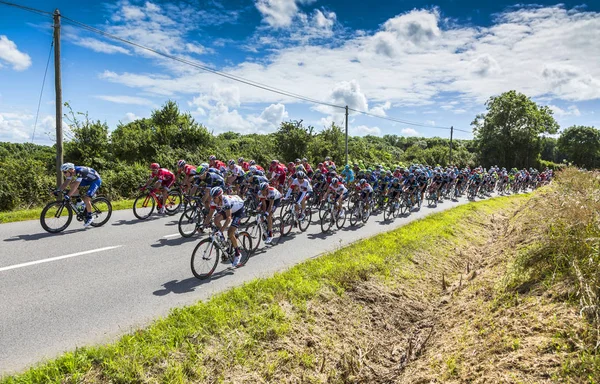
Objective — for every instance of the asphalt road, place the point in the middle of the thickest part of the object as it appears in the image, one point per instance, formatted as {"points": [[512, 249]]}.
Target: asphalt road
{"points": [[89, 286]]}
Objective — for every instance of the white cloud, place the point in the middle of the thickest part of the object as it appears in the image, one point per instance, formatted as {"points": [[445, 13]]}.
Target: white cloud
{"points": [[274, 114], [14, 128], [10, 54], [195, 48], [123, 99], [277, 13], [99, 46], [363, 130], [129, 117], [409, 132], [572, 110], [485, 65], [380, 109]]}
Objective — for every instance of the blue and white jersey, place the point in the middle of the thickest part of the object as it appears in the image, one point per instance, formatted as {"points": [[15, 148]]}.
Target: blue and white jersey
{"points": [[86, 174]]}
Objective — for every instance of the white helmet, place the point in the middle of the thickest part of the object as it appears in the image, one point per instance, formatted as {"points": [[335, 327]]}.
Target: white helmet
{"points": [[67, 167]]}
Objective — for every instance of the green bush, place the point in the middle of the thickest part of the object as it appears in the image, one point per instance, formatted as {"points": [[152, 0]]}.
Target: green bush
{"points": [[24, 183], [123, 180]]}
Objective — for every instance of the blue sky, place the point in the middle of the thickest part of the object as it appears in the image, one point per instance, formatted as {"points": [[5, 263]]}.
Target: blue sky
{"points": [[431, 63]]}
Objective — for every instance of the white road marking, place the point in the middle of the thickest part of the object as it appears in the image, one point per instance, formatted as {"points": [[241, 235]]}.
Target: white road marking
{"points": [[57, 258], [169, 236]]}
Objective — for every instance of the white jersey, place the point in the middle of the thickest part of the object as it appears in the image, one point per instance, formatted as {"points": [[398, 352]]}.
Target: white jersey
{"points": [[304, 186], [236, 171], [272, 193], [233, 202], [339, 190]]}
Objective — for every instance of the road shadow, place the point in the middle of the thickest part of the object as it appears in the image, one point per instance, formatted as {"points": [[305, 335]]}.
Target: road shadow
{"points": [[135, 221], [320, 235], [172, 242], [190, 284], [42, 235], [170, 223]]}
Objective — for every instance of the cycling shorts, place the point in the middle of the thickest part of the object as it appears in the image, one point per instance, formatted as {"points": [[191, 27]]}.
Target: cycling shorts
{"points": [[272, 205], [236, 217], [93, 186], [302, 196], [167, 183]]}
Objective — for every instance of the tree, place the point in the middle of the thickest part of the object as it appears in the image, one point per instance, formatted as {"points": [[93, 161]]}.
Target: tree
{"points": [[581, 145], [292, 140], [510, 132], [89, 145]]}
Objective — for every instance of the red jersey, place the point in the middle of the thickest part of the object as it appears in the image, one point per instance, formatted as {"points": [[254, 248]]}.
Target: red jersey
{"points": [[245, 166], [163, 174], [189, 169]]}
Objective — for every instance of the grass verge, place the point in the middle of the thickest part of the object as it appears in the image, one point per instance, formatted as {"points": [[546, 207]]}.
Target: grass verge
{"points": [[34, 214], [251, 333]]}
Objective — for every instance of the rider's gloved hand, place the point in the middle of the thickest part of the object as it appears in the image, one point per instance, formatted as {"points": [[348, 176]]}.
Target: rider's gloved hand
{"points": [[67, 197], [56, 192]]}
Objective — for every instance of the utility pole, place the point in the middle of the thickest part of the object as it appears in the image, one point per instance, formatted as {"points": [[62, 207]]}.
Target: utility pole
{"points": [[346, 135], [451, 134], [58, 90]]}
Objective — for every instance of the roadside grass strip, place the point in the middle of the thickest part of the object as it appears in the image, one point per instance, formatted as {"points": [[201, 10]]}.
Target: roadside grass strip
{"points": [[205, 342]]}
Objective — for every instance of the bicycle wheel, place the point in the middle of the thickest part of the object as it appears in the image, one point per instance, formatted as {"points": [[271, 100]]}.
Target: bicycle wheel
{"points": [[305, 222], [404, 206], [326, 221], [205, 258], [56, 216], [189, 221], [354, 215], [366, 213], [245, 243], [173, 202], [340, 219], [388, 212], [255, 231], [143, 206], [287, 223], [101, 211]]}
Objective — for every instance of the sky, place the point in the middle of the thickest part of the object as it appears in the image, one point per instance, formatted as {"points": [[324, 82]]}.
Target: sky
{"points": [[434, 64]]}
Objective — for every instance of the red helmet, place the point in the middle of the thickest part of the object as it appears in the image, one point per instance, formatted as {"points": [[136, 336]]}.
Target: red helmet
{"points": [[154, 166]]}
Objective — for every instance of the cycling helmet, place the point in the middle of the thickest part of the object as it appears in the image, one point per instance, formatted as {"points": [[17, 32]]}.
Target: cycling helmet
{"points": [[291, 163], [395, 180], [205, 165], [264, 185], [363, 182], [181, 163], [240, 160], [212, 157], [304, 160], [253, 168], [300, 175], [67, 167], [252, 162], [231, 162], [273, 162], [216, 191], [298, 161], [154, 166], [327, 158], [388, 173], [200, 170], [335, 181]]}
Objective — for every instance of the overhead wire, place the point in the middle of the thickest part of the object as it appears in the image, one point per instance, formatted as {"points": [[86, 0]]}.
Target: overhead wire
{"points": [[37, 115], [226, 75]]}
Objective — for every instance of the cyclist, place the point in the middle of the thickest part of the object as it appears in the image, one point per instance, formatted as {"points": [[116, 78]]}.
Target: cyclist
{"points": [[278, 174], [209, 179], [340, 193], [235, 175], [411, 186], [84, 177], [231, 209], [160, 178], [366, 190], [217, 164], [270, 200], [307, 167], [395, 191], [348, 174], [244, 164], [188, 171], [303, 184]]}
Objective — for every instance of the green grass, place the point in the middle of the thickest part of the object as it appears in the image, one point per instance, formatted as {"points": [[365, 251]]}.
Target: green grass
{"points": [[34, 214], [174, 349]]}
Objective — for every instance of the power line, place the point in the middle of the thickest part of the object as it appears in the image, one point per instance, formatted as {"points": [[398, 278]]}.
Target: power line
{"points": [[37, 115], [29, 9], [226, 75]]}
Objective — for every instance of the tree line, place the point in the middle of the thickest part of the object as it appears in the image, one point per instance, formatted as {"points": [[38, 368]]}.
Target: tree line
{"points": [[514, 131]]}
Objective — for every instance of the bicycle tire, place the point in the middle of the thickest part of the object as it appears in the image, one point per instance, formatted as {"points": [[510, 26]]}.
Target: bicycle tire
{"points": [[304, 223], [245, 243], [173, 202], [388, 212], [326, 222], [340, 220], [189, 221], [354, 215], [255, 231], [97, 211], [287, 223], [60, 206], [366, 214], [209, 261], [146, 207]]}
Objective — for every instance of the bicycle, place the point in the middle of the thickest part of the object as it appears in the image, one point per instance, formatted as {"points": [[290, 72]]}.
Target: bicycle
{"points": [[290, 218], [144, 204], [359, 212], [207, 254], [192, 218], [55, 212], [331, 216], [259, 229]]}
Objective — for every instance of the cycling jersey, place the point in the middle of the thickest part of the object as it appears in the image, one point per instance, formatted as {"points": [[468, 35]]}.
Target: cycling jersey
{"points": [[236, 171], [303, 187], [214, 180], [189, 170], [339, 190], [272, 194], [233, 202], [85, 175]]}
